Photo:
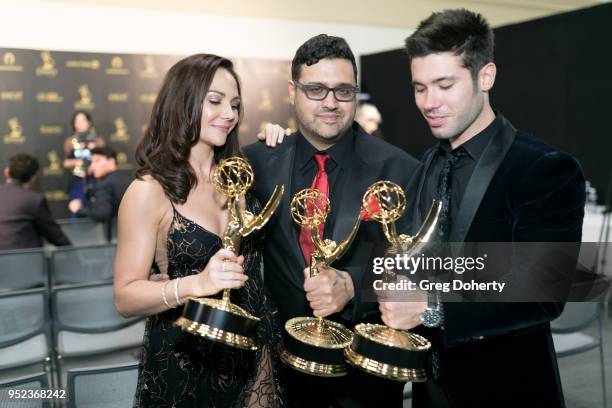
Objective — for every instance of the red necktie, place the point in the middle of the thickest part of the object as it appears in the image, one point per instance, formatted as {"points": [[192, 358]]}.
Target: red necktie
{"points": [[321, 183]]}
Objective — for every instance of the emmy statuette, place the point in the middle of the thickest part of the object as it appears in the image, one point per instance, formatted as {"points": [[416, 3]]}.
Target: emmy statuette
{"points": [[219, 319], [314, 345], [378, 349]]}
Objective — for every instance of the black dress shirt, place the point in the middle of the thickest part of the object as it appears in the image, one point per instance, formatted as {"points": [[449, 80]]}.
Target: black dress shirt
{"points": [[305, 169], [462, 170]]}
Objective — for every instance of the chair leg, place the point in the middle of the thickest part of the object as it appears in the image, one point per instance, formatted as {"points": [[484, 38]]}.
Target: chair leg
{"points": [[602, 362], [607, 310]]}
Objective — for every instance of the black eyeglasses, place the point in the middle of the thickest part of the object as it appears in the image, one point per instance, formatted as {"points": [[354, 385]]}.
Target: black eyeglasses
{"points": [[342, 93]]}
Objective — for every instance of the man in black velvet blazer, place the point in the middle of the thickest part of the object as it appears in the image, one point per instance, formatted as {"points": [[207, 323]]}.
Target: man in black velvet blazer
{"points": [[24, 214], [323, 91], [506, 186]]}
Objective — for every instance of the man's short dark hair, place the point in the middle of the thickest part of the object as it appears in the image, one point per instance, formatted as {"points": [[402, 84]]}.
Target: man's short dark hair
{"points": [[105, 151], [22, 167], [320, 47], [459, 31]]}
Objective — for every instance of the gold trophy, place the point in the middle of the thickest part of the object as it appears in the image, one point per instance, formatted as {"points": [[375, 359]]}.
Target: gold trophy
{"points": [[314, 345], [378, 349], [81, 149], [219, 319]]}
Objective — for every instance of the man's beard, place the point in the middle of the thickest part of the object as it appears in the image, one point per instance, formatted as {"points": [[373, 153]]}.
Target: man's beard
{"points": [[321, 132]]}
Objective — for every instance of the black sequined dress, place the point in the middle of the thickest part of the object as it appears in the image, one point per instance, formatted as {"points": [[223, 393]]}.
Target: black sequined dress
{"points": [[178, 369]]}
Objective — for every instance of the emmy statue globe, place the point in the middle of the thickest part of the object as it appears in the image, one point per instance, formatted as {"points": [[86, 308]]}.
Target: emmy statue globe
{"points": [[314, 345], [219, 319], [378, 349]]}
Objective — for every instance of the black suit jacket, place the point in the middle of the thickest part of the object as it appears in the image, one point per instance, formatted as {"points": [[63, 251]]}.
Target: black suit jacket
{"points": [[25, 219], [107, 195], [373, 159], [501, 354]]}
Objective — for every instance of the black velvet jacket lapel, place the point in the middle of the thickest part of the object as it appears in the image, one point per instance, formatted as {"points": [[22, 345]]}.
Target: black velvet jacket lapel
{"points": [[489, 162], [417, 216]]}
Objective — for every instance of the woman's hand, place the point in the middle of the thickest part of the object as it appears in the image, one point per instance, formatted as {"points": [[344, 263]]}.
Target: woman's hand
{"points": [[223, 271]]}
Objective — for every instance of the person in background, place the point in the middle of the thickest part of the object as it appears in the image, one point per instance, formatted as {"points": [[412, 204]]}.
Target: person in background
{"points": [[369, 118], [77, 152], [108, 191], [24, 214]]}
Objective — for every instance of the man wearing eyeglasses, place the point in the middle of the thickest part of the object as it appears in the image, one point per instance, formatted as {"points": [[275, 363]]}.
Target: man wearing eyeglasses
{"points": [[332, 153]]}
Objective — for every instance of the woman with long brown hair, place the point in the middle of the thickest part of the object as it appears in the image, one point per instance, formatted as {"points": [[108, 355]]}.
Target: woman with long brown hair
{"points": [[171, 217], [77, 153]]}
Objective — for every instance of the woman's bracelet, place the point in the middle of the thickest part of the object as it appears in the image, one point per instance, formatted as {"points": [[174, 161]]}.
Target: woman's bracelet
{"points": [[176, 296], [163, 293]]}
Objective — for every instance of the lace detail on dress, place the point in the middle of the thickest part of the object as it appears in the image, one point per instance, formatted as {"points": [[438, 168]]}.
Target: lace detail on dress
{"points": [[178, 369]]}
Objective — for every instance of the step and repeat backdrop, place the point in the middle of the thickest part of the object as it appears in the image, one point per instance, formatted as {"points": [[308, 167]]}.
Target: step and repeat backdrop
{"points": [[40, 90]]}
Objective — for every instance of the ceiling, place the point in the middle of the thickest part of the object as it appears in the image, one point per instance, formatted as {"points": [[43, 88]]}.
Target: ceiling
{"points": [[389, 13]]}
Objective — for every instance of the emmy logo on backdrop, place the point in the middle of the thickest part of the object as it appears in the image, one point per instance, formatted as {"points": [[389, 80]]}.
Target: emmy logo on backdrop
{"points": [[48, 65], [121, 131], [117, 67], [9, 58], [149, 70], [86, 101], [93, 64], [147, 98], [9, 63], [56, 195], [122, 162], [55, 166], [220, 319], [115, 97], [49, 97], [11, 95], [50, 129], [15, 135]]}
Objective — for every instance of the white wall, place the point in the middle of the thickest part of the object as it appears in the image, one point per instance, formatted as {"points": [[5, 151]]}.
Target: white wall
{"points": [[73, 27]]}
